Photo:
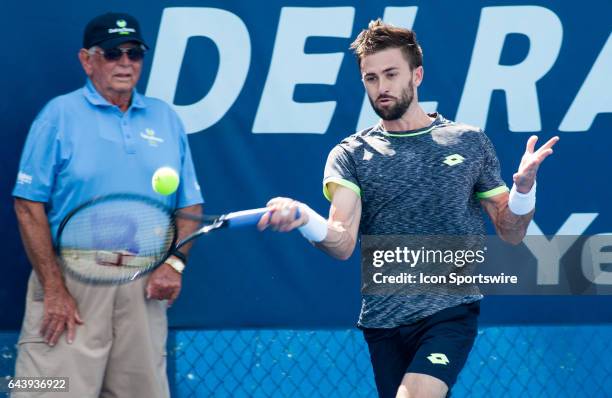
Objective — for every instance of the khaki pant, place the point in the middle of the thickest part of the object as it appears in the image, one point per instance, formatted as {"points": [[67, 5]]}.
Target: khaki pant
{"points": [[120, 350]]}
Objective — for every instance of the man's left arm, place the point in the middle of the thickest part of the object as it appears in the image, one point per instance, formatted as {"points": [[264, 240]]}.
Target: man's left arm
{"points": [[165, 282], [512, 212]]}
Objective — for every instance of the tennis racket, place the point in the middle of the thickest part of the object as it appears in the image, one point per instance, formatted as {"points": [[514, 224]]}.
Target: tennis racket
{"points": [[117, 238]]}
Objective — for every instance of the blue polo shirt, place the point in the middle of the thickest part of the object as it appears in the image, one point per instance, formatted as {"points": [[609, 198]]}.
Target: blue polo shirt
{"points": [[80, 146]]}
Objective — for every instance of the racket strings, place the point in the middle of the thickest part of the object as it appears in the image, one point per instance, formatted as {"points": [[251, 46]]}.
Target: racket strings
{"points": [[116, 240]]}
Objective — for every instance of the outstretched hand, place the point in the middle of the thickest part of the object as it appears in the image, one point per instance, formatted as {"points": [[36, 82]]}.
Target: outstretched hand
{"points": [[525, 177]]}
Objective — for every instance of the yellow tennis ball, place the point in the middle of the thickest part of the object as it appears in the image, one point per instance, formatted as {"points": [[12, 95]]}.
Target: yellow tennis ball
{"points": [[165, 181]]}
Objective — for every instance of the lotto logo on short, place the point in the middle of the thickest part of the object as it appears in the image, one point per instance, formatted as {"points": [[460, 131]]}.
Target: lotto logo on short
{"points": [[453, 160], [438, 359]]}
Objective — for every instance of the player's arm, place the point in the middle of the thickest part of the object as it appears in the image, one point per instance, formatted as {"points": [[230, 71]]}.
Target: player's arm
{"points": [[336, 235], [60, 309], [342, 224], [512, 212], [509, 226]]}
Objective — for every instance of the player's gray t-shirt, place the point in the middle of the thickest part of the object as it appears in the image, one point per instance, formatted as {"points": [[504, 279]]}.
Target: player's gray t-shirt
{"points": [[422, 182]]}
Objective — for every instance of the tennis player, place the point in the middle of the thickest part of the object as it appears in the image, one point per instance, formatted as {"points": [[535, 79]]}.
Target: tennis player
{"points": [[100, 139], [419, 174]]}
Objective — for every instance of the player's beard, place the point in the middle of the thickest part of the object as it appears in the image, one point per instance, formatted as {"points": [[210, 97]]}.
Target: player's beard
{"points": [[401, 105]]}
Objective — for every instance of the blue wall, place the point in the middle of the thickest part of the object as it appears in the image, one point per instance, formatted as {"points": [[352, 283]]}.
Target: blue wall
{"points": [[267, 89]]}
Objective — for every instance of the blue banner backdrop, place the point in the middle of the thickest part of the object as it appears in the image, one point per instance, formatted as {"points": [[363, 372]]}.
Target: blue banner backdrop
{"points": [[267, 89]]}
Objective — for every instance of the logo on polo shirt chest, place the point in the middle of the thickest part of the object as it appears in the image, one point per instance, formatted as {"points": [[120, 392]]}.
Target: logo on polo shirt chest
{"points": [[453, 160], [149, 136]]}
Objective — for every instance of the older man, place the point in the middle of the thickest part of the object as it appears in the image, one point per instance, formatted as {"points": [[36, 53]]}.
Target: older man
{"points": [[100, 139]]}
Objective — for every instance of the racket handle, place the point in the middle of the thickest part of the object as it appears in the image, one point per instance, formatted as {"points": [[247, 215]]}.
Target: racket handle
{"points": [[247, 218]]}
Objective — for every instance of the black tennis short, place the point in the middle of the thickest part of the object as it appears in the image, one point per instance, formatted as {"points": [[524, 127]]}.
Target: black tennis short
{"points": [[437, 346]]}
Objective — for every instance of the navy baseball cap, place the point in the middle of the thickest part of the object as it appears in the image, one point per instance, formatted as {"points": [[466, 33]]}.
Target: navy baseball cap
{"points": [[112, 29]]}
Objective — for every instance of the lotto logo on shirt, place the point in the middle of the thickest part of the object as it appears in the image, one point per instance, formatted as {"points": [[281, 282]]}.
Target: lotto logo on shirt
{"points": [[453, 160]]}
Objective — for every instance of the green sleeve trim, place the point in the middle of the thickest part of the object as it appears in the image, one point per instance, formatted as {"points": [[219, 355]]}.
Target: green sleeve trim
{"points": [[345, 183], [492, 192]]}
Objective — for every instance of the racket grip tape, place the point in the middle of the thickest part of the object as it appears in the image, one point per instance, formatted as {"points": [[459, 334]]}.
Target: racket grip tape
{"points": [[245, 218]]}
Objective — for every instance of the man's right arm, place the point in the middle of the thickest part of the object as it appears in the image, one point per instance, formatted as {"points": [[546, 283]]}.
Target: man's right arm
{"points": [[60, 310], [342, 224]]}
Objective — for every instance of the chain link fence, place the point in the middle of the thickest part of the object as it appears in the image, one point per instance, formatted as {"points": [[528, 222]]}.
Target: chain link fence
{"points": [[559, 361], [505, 362], [272, 363]]}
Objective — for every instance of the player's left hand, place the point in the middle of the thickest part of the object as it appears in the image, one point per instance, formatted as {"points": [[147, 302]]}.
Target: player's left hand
{"points": [[164, 284], [525, 177]]}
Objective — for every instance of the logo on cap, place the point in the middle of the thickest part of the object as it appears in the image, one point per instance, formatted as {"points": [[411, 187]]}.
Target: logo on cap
{"points": [[122, 29]]}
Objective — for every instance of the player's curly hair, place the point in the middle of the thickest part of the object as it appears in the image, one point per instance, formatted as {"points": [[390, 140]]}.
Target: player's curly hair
{"points": [[381, 36]]}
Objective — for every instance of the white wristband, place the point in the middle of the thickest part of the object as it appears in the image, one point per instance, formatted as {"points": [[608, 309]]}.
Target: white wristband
{"points": [[522, 203], [315, 229]]}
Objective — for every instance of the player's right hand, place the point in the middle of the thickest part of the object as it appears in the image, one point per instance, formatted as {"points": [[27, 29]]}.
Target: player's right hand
{"points": [[60, 314], [282, 215]]}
